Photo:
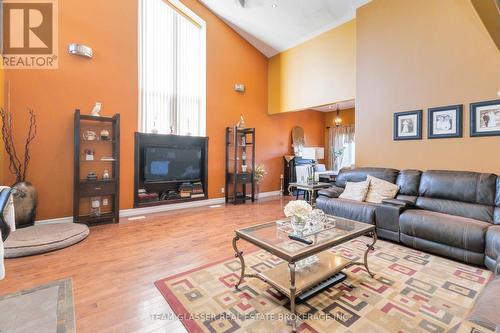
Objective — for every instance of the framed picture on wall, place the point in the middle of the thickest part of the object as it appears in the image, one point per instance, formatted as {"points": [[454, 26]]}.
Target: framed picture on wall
{"points": [[485, 118], [408, 125], [445, 122]]}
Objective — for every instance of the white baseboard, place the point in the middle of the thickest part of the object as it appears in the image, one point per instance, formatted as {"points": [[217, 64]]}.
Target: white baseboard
{"points": [[163, 208], [166, 208]]}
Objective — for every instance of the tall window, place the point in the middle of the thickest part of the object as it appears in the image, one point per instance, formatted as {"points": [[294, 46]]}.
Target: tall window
{"points": [[342, 147], [172, 68]]}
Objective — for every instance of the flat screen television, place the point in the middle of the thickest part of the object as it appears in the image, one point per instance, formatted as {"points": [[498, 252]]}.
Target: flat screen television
{"points": [[169, 164]]}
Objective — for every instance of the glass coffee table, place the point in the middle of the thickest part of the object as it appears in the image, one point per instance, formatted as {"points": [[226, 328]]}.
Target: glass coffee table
{"points": [[294, 278]]}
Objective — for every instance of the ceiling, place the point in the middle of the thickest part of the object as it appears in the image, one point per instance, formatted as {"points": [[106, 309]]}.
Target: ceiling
{"points": [[273, 26], [333, 107]]}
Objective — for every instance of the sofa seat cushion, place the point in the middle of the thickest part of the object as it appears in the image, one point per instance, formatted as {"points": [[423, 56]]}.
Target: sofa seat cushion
{"points": [[486, 309], [349, 209], [455, 231]]}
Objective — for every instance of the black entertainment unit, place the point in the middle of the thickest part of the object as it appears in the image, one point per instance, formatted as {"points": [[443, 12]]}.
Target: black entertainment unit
{"points": [[169, 169]]}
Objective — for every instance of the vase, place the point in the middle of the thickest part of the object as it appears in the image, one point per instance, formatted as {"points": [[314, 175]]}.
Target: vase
{"points": [[298, 225], [257, 188], [25, 202]]}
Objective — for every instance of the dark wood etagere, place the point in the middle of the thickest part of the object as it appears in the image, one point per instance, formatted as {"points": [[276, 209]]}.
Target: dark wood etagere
{"points": [[99, 188], [240, 165]]}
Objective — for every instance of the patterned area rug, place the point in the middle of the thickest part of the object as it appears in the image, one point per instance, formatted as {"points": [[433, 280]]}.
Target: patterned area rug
{"points": [[412, 292], [44, 309]]}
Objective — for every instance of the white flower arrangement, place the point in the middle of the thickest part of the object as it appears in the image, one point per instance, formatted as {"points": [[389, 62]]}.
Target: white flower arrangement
{"points": [[298, 208]]}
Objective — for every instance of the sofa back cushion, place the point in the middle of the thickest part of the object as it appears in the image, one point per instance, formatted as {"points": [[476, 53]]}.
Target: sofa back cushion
{"points": [[360, 174], [467, 194], [408, 182], [458, 208]]}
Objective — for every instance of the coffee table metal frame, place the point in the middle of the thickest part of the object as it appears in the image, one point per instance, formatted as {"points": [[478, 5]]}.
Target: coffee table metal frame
{"points": [[292, 259]]}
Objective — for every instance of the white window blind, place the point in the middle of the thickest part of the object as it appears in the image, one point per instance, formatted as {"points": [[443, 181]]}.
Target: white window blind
{"points": [[172, 69]]}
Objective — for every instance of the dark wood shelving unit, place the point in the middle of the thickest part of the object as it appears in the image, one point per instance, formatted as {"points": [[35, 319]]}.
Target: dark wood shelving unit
{"points": [[85, 189], [240, 155]]}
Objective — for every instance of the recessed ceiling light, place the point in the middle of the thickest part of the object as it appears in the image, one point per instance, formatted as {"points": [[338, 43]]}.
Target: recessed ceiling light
{"points": [[275, 5]]}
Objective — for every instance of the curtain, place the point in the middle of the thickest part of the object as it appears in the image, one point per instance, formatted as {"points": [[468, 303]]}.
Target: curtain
{"points": [[171, 71], [341, 147]]}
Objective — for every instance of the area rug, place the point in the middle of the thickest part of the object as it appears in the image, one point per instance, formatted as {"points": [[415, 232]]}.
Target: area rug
{"points": [[412, 291], [46, 308]]}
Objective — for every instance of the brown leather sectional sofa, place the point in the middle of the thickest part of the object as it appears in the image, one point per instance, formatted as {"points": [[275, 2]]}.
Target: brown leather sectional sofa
{"points": [[455, 214], [450, 213]]}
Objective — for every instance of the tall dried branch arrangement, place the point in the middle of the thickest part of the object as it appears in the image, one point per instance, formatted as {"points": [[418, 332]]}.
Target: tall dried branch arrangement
{"points": [[16, 167]]}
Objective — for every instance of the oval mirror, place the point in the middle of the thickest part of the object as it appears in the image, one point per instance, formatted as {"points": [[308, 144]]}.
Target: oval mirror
{"points": [[298, 140]]}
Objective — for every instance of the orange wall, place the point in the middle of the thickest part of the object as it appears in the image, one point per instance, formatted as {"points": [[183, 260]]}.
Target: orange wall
{"points": [[347, 116], [415, 55], [111, 78]]}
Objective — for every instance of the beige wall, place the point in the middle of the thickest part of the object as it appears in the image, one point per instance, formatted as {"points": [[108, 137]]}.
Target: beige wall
{"points": [[416, 55], [317, 72]]}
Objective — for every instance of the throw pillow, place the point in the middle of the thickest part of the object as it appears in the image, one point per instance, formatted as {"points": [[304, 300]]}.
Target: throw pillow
{"points": [[355, 191], [380, 189]]}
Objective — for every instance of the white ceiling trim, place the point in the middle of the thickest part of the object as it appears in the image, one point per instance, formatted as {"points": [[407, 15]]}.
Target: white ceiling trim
{"points": [[344, 105]]}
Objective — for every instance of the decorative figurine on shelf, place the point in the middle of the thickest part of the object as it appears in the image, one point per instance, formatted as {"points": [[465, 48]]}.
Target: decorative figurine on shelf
{"points": [[89, 154], [241, 123], [89, 136], [95, 206], [243, 141], [105, 135], [96, 110], [106, 175], [243, 168], [91, 176]]}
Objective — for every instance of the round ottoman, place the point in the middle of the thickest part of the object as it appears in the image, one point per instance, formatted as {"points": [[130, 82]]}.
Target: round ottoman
{"points": [[43, 238]]}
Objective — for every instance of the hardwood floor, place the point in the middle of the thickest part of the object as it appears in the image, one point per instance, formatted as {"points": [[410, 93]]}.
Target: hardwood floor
{"points": [[114, 269]]}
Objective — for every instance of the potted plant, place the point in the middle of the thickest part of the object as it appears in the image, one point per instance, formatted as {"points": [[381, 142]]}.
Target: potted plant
{"points": [[259, 173], [24, 193]]}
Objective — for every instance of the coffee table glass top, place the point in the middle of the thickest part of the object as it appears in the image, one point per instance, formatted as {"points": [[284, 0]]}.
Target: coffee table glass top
{"points": [[273, 236]]}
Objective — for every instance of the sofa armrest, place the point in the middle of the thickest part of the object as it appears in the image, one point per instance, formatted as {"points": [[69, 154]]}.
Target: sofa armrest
{"points": [[5, 228], [387, 217], [397, 202], [497, 267], [485, 310], [331, 192]]}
